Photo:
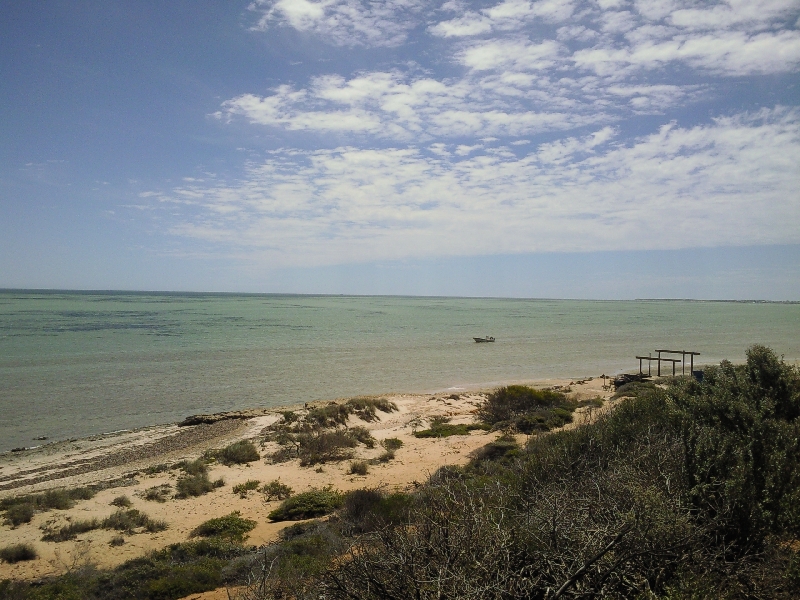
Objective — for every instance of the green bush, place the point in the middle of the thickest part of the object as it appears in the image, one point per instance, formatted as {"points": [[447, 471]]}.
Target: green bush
{"points": [[238, 453], [247, 486], [158, 493], [17, 514], [121, 501], [506, 403], [392, 443], [129, 520], [358, 467], [275, 490], [448, 429], [503, 448], [232, 527], [195, 482], [70, 531], [307, 505], [365, 408], [325, 446], [18, 553]]}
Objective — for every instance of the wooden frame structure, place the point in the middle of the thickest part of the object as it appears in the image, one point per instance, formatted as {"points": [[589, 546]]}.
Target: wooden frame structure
{"points": [[684, 353]]}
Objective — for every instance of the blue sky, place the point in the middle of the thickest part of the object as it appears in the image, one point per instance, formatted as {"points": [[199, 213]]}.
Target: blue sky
{"points": [[600, 149]]}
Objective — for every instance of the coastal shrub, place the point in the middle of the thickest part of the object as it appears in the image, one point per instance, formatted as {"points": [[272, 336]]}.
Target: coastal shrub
{"points": [[527, 410], [129, 520], [232, 527], [158, 493], [392, 443], [194, 467], [307, 505], [361, 435], [18, 553], [121, 502], [17, 514], [448, 429], [366, 510], [196, 485], [358, 467], [238, 453], [384, 457], [159, 468], [503, 448], [70, 531], [330, 415], [59, 499], [275, 490], [633, 389], [247, 486], [325, 446], [116, 541], [366, 408]]}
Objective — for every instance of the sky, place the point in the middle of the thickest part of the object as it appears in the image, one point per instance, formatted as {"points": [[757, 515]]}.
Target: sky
{"points": [[551, 148]]}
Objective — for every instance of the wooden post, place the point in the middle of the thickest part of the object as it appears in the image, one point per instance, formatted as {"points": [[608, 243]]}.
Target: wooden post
{"points": [[659, 363], [640, 370]]}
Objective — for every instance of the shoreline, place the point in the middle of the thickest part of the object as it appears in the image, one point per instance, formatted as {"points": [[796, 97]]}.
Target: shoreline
{"points": [[117, 464]]}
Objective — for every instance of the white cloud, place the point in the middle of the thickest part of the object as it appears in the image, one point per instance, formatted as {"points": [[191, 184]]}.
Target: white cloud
{"points": [[728, 53], [343, 22], [732, 182], [509, 15]]}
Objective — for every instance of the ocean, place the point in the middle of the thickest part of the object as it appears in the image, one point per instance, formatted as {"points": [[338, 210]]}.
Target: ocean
{"points": [[74, 364]]}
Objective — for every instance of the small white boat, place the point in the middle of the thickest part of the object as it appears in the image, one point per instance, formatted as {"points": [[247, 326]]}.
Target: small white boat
{"points": [[484, 339]]}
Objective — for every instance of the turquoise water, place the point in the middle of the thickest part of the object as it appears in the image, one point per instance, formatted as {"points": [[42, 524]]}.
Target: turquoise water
{"points": [[75, 364]]}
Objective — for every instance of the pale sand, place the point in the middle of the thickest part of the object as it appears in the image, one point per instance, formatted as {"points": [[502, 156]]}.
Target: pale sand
{"points": [[115, 456]]}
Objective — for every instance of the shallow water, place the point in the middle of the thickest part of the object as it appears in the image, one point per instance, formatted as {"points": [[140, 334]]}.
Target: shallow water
{"points": [[75, 364]]}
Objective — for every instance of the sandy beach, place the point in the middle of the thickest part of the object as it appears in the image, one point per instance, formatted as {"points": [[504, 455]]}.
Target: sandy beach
{"points": [[119, 461]]}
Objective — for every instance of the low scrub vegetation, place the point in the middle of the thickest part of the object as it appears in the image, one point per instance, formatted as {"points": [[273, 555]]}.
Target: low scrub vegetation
{"points": [[440, 430], [238, 453], [307, 505], [121, 502], [18, 553], [358, 467], [69, 531], [20, 509], [195, 481], [231, 527], [248, 486], [275, 490], [158, 493], [132, 519]]}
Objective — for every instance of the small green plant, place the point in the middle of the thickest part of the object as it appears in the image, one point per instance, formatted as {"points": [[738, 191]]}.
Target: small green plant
{"points": [[314, 503], [70, 531], [17, 514], [392, 443], [275, 490], [159, 493], [18, 553], [238, 453], [384, 457], [448, 429], [365, 408], [121, 502], [358, 467], [129, 520], [159, 468], [195, 482], [116, 541], [247, 486], [231, 527]]}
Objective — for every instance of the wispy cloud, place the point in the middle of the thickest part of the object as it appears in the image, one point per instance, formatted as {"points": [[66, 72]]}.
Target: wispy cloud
{"points": [[679, 187], [343, 22]]}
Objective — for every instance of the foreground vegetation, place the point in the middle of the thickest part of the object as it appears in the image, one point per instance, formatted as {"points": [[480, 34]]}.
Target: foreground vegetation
{"points": [[687, 490]]}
